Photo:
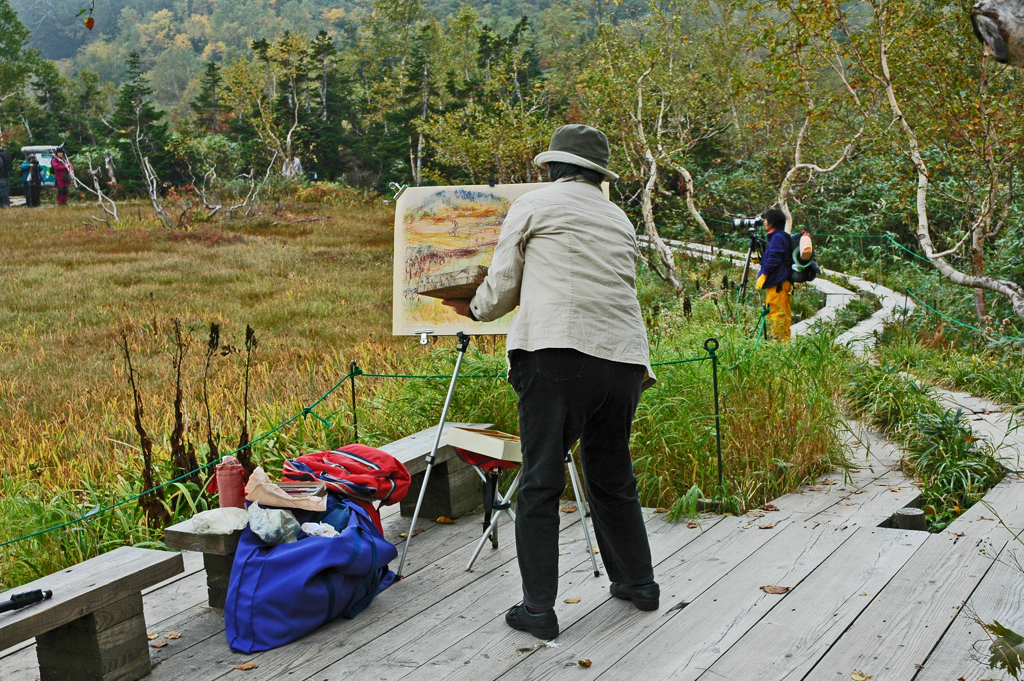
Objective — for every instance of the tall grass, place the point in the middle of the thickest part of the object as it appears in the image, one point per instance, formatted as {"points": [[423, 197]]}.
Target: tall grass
{"points": [[318, 295], [954, 466], [995, 371]]}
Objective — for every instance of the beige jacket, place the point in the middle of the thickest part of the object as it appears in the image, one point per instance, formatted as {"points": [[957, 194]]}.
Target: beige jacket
{"points": [[567, 256]]}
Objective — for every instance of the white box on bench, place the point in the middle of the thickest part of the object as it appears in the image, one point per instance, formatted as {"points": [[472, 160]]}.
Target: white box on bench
{"points": [[492, 443]]}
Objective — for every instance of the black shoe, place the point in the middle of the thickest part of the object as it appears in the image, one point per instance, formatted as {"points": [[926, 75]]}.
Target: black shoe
{"points": [[542, 625], [644, 596]]}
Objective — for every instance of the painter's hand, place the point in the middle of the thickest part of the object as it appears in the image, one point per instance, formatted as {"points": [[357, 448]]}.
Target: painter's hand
{"points": [[460, 305]]}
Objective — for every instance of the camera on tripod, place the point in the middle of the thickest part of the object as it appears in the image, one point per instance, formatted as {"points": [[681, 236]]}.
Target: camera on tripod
{"points": [[756, 248], [750, 224]]}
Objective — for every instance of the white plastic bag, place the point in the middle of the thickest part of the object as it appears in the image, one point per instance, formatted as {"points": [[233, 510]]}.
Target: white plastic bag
{"points": [[220, 520], [273, 525], [319, 530]]}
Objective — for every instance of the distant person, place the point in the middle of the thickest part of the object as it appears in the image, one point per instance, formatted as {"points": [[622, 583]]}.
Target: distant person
{"points": [[292, 168], [776, 266], [63, 174], [32, 180], [579, 359], [6, 164]]}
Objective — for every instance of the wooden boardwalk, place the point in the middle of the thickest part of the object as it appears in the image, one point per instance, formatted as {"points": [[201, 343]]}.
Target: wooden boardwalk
{"points": [[862, 597]]}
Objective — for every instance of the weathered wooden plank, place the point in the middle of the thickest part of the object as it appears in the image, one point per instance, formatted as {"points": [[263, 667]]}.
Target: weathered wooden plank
{"points": [[174, 598], [903, 623], [787, 641], [184, 537], [418, 639], [110, 578], [600, 623], [478, 643], [877, 503], [196, 625], [443, 551], [106, 644], [963, 650], [685, 642], [193, 563], [1005, 501], [413, 449]]}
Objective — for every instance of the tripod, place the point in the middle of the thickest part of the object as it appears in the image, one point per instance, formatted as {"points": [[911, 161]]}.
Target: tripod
{"points": [[461, 346], [756, 245]]}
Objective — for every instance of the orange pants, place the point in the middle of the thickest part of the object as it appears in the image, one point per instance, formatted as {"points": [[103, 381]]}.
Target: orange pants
{"points": [[780, 317]]}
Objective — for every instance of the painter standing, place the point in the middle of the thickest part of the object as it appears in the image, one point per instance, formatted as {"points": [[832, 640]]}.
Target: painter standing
{"points": [[579, 359]]}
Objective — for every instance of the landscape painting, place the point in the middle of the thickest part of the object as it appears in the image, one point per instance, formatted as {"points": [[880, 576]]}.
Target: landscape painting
{"points": [[440, 230]]}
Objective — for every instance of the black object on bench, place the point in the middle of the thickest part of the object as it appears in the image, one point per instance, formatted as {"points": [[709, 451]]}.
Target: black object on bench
{"points": [[93, 628]]}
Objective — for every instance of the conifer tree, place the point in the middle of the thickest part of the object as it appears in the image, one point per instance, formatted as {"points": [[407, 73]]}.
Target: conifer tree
{"points": [[138, 125], [207, 105]]}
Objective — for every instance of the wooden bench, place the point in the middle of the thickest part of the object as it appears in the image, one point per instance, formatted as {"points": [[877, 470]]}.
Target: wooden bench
{"points": [[218, 554], [453, 491], [454, 487], [93, 628]]}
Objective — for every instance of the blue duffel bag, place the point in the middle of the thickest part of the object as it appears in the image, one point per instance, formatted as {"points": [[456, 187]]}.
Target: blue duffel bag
{"points": [[280, 593]]}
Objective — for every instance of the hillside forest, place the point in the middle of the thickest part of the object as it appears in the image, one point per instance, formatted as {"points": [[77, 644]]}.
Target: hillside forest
{"points": [[879, 118]]}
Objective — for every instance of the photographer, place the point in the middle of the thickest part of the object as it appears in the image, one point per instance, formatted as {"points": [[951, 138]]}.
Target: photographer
{"points": [[579, 360], [776, 266]]}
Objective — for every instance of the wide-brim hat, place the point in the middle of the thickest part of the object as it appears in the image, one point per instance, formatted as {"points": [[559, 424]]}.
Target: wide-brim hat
{"points": [[579, 145]]}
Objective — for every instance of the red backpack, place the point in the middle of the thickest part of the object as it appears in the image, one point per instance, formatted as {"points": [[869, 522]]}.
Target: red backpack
{"points": [[361, 473]]}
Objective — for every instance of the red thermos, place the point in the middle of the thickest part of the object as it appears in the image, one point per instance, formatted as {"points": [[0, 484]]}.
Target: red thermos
{"points": [[231, 483]]}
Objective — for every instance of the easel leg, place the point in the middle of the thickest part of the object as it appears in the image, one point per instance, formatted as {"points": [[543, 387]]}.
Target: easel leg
{"points": [[581, 501], [461, 346]]}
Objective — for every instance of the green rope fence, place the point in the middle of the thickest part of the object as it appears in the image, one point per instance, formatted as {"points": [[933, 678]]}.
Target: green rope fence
{"points": [[356, 372], [92, 514], [303, 413]]}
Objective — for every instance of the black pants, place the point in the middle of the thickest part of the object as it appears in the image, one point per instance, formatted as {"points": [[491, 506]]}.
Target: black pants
{"points": [[565, 396], [32, 195]]}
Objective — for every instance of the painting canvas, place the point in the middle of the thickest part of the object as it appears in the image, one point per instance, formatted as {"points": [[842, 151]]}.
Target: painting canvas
{"points": [[446, 234]]}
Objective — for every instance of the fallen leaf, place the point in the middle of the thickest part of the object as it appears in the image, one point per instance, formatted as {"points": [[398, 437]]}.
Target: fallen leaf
{"points": [[857, 491], [894, 489], [172, 635], [756, 513], [528, 649], [766, 526], [981, 517], [574, 599], [406, 534], [569, 509], [847, 503], [584, 663], [246, 666], [152, 636], [881, 484], [956, 534], [159, 644], [826, 481], [775, 589], [691, 526], [859, 676], [863, 593], [747, 527], [817, 488], [596, 550], [444, 520], [769, 507], [661, 509]]}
